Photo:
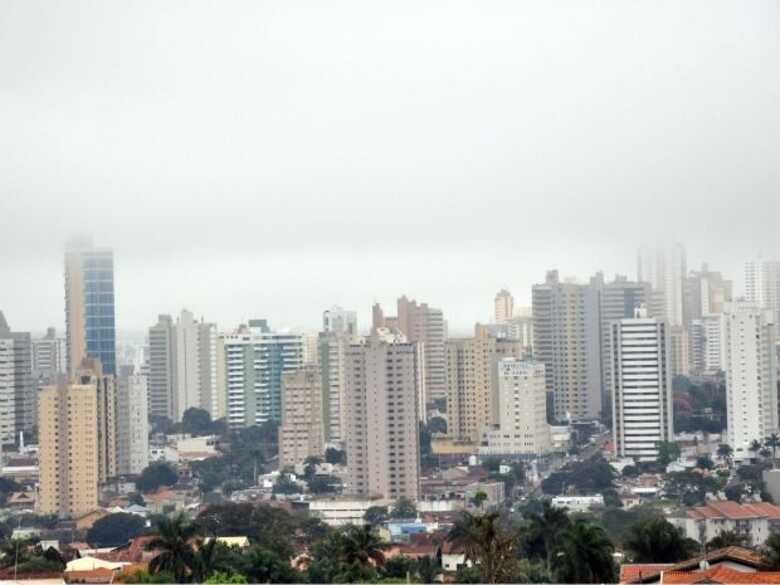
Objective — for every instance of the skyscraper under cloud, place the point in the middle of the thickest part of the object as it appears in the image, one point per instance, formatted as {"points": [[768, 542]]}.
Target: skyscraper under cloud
{"points": [[89, 305]]}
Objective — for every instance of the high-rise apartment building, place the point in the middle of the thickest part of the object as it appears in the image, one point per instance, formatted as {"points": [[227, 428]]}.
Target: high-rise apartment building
{"points": [[68, 446], [705, 345], [706, 293], [522, 427], [642, 382], [340, 321], [618, 299], [76, 440], [665, 269], [472, 383], [679, 357], [382, 434], [132, 432], [162, 367], [762, 285], [89, 305], [504, 306], [301, 432], [49, 356], [567, 342], [90, 373], [17, 391], [255, 359], [749, 360], [425, 325], [339, 331], [183, 366]]}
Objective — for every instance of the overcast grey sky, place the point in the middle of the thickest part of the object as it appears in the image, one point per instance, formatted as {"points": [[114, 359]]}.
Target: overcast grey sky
{"points": [[273, 158]]}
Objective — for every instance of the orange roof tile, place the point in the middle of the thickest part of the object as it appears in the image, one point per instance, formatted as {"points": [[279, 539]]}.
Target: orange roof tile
{"points": [[720, 574], [734, 510], [630, 573], [735, 554]]}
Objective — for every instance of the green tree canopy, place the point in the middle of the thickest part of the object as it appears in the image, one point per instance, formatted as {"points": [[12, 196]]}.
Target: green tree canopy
{"points": [[196, 422], [155, 476], [115, 530], [403, 508], [655, 540]]}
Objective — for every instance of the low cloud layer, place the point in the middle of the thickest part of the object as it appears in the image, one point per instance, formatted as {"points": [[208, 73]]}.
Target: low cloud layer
{"points": [[272, 159]]}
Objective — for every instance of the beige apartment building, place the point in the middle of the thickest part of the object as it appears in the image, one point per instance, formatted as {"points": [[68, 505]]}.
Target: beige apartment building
{"points": [[301, 433], [567, 341], [68, 450], [77, 441], [472, 403], [424, 325], [382, 431], [503, 307]]}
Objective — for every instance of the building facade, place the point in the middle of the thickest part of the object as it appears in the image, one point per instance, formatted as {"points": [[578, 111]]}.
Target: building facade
{"points": [[503, 307], [68, 450], [162, 367], [618, 299], [89, 305], [750, 365], [382, 432], [665, 269], [705, 345], [132, 413], [762, 285], [183, 370], [301, 432], [17, 391], [255, 360], [642, 380], [49, 356], [567, 342], [522, 427]]}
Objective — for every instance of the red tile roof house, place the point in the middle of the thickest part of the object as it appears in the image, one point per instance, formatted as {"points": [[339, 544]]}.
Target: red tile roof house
{"points": [[732, 564], [756, 520]]}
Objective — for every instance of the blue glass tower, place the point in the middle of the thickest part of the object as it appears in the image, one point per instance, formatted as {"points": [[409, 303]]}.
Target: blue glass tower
{"points": [[89, 305], [99, 324]]}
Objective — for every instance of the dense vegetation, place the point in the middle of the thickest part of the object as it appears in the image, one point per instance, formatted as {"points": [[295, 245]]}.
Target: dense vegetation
{"points": [[699, 407]]}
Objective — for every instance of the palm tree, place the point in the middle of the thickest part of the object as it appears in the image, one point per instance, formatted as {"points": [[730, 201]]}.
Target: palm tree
{"points": [[362, 545], [548, 526], [585, 555], [487, 543], [210, 556], [725, 452], [773, 442], [174, 543], [755, 447]]}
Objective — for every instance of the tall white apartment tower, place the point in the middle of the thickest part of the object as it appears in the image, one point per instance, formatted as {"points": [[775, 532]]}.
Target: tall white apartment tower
{"points": [[762, 285], [642, 382], [382, 430], [504, 305], [132, 426], [522, 399], [665, 268], [749, 361]]}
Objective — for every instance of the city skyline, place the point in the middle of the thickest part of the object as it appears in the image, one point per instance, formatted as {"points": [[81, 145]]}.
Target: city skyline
{"points": [[474, 309]]}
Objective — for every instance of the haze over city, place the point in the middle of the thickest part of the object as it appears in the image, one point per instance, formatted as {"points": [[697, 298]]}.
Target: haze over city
{"points": [[269, 160]]}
